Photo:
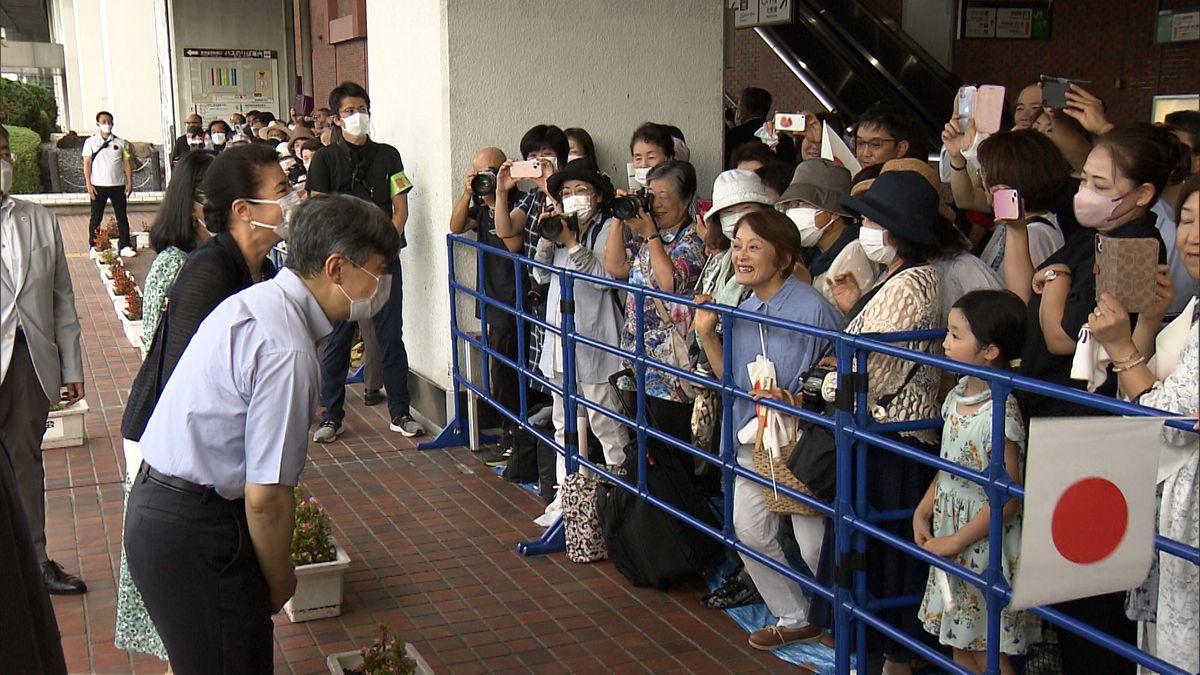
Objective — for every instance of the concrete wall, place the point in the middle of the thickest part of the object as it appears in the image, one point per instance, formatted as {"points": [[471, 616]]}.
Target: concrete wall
{"points": [[111, 64], [474, 73]]}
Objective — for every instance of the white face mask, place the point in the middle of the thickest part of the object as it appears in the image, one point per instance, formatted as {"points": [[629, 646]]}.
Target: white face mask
{"points": [[282, 149], [641, 174], [6, 177], [805, 218], [105, 128], [572, 158], [195, 142], [357, 124], [872, 244], [580, 205], [218, 138], [730, 221], [365, 308], [287, 204]]}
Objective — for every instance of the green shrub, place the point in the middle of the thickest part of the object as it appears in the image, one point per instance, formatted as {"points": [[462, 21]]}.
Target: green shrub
{"points": [[25, 145], [28, 105]]}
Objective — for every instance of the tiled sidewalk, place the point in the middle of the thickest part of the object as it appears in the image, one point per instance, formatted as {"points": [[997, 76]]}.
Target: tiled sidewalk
{"points": [[432, 536]]}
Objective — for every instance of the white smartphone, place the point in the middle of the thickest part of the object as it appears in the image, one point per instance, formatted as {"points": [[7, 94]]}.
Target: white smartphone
{"points": [[530, 168], [789, 122]]}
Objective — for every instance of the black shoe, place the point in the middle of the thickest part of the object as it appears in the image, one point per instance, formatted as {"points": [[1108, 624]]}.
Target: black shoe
{"points": [[58, 582], [496, 459], [735, 593], [373, 396]]}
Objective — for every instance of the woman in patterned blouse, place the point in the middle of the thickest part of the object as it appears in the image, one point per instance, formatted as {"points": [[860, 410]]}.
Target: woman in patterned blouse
{"points": [[178, 228], [664, 253]]}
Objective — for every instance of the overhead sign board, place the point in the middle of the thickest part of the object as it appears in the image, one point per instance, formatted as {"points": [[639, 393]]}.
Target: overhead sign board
{"points": [[751, 13]]}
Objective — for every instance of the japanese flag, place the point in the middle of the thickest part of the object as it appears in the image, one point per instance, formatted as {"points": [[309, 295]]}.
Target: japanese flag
{"points": [[834, 148], [1089, 508]]}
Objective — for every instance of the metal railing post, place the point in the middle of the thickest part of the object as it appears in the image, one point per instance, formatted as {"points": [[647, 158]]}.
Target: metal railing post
{"points": [[566, 281]]}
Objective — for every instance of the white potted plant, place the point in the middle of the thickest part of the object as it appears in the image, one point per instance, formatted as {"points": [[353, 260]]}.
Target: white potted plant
{"points": [[320, 563], [64, 427], [142, 239], [131, 317], [389, 655]]}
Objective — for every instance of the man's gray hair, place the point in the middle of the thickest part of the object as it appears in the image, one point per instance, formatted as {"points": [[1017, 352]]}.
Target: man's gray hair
{"points": [[354, 227], [679, 173]]}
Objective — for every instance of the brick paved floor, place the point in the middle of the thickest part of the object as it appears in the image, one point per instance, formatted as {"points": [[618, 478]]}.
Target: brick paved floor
{"points": [[432, 536]]}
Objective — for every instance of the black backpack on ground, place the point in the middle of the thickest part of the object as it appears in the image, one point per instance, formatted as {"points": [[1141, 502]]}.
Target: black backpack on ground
{"points": [[522, 466], [648, 545]]}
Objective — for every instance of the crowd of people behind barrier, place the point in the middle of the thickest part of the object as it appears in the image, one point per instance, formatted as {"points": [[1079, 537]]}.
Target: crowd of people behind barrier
{"points": [[900, 246], [998, 245]]}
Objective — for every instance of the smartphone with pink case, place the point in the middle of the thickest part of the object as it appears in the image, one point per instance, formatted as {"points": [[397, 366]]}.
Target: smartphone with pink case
{"points": [[1006, 204], [989, 108]]}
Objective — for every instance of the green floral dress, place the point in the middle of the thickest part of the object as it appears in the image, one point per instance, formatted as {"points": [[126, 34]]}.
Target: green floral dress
{"points": [[967, 440], [134, 630]]}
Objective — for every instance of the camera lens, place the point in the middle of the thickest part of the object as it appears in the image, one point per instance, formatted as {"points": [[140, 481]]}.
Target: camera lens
{"points": [[626, 208], [483, 184], [551, 227]]}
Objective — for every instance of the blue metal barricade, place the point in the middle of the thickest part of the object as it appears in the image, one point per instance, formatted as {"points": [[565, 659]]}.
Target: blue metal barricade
{"points": [[854, 431]]}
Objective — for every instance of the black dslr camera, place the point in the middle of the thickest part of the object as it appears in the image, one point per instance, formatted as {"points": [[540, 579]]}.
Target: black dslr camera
{"points": [[813, 388], [627, 207], [552, 226], [484, 183]]}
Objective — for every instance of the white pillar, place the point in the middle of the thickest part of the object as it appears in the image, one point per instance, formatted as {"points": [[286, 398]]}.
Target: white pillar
{"points": [[448, 77]]}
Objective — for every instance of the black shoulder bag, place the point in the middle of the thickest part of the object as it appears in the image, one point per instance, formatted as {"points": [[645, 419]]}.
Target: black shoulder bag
{"points": [[814, 457], [101, 148], [149, 383]]}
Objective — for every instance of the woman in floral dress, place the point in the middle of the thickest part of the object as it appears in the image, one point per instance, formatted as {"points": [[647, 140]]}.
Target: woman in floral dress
{"points": [[178, 228]]}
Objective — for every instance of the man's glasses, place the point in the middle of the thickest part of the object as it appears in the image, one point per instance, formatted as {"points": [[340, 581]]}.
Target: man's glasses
{"points": [[874, 143], [346, 112]]}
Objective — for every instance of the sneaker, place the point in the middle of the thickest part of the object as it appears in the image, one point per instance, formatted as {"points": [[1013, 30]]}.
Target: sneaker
{"points": [[774, 637], [328, 431], [407, 426], [735, 593], [373, 397], [128, 253], [498, 459]]}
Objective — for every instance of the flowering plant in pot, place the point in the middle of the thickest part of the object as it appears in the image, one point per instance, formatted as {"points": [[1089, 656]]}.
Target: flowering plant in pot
{"points": [[133, 305], [389, 655], [312, 540], [320, 563], [102, 242], [122, 284], [108, 257]]}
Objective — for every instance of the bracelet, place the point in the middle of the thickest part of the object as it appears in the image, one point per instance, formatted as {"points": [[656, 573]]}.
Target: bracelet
{"points": [[653, 237], [1128, 365], [574, 249], [1134, 355], [956, 168]]}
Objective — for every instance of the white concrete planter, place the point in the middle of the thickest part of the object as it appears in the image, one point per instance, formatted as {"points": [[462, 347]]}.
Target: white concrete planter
{"points": [[142, 240], [116, 245], [64, 428], [318, 589], [342, 661], [133, 329]]}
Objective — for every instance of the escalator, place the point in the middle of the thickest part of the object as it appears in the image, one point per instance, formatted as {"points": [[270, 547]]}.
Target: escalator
{"points": [[851, 58]]}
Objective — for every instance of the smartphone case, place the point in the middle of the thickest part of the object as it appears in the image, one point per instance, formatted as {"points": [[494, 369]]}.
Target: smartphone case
{"points": [[1054, 93], [989, 108], [1006, 204], [1126, 269]]}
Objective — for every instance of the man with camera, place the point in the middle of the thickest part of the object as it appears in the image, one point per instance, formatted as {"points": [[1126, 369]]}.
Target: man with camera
{"points": [[354, 164], [574, 238], [476, 210]]}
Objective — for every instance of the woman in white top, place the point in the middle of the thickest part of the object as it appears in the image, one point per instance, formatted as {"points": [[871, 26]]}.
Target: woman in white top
{"points": [[1030, 163], [828, 234], [1162, 370]]}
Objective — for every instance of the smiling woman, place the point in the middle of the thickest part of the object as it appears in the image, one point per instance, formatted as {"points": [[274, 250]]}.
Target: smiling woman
{"points": [[765, 247]]}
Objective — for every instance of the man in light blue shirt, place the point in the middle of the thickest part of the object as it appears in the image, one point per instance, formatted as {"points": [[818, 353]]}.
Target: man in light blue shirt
{"points": [[209, 522]]}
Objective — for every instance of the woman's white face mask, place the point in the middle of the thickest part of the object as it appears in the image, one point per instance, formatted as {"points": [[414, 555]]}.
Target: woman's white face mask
{"points": [[872, 241]]}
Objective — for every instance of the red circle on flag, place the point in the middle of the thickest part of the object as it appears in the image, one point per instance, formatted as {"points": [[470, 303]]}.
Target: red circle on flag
{"points": [[1089, 521]]}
